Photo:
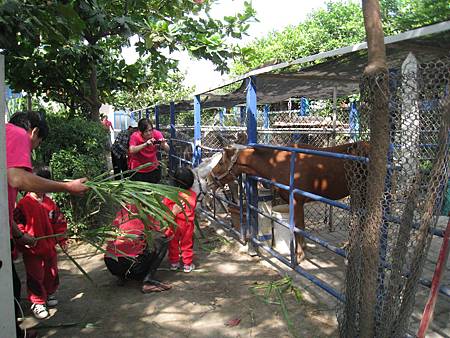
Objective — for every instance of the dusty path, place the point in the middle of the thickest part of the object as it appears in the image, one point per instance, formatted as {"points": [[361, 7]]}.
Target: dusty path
{"points": [[204, 303]]}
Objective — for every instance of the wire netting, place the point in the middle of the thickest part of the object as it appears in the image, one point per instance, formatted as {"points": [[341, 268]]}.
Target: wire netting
{"points": [[390, 237]]}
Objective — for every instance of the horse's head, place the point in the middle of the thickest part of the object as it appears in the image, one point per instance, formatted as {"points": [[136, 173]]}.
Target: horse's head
{"points": [[223, 173], [201, 172], [204, 168]]}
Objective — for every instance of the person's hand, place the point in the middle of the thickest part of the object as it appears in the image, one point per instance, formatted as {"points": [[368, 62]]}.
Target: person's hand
{"points": [[77, 187], [27, 240], [150, 142]]}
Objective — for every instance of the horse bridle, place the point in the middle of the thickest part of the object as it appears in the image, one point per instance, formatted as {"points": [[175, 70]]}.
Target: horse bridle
{"points": [[201, 192], [233, 161], [216, 179]]}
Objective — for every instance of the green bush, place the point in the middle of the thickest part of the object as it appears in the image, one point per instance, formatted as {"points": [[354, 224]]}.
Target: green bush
{"points": [[81, 137], [74, 148]]}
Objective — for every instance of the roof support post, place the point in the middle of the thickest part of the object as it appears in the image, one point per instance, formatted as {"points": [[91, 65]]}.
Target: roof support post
{"points": [[140, 114], [251, 110], [172, 136], [147, 112], [266, 123], [156, 127], [197, 156], [7, 324], [250, 184], [354, 121], [304, 106], [242, 115], [157, 117]]}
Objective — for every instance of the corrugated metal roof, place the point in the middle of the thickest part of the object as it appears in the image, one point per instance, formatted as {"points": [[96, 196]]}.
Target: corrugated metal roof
{"points": [[340, 68]]}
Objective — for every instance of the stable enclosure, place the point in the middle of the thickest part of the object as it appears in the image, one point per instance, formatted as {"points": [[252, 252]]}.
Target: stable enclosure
{"points": [[307, 102]]}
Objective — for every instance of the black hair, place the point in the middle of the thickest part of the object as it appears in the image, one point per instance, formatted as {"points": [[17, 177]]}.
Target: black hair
{"points": [[29, 120], [43, 171], [143, 124], [183, 178]]}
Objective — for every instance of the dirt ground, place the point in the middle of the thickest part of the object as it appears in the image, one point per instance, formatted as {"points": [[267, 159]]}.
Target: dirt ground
{"points": [[218, 299]]}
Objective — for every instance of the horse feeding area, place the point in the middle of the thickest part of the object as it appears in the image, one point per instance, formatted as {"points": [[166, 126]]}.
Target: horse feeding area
{"points": [[318, 189]]}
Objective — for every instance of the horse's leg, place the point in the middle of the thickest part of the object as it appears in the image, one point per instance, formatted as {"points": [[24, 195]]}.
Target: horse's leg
{"points": [[234, 191], [299, 218]]}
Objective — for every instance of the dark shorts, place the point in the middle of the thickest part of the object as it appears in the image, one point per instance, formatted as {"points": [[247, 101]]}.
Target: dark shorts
{"points": [[144, 265], [150, 177]]}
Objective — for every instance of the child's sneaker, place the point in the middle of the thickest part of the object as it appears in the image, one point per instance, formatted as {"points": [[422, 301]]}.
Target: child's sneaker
{"points": [[40, 311], [188, 268], [174, 266], [52, 301]]}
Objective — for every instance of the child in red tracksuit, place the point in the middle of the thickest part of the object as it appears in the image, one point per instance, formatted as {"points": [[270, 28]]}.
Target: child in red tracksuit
{"points": [[182, 241], [37, 215]]}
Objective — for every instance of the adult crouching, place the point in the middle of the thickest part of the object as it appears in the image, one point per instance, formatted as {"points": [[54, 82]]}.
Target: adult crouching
{"points": [[131, 257]]}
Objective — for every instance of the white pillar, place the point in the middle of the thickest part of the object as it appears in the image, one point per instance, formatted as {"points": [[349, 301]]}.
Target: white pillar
{"points": [[7, 322], [410, 120]]}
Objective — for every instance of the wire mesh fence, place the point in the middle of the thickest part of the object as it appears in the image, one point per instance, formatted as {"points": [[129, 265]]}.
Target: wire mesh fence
{"points": [[397, 229]]}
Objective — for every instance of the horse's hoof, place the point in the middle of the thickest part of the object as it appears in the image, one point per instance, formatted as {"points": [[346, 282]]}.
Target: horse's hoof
{"points": [[300, 257]]}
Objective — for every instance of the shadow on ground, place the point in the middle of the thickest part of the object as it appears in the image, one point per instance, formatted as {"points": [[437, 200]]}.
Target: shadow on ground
{"points": [[199, 305]]}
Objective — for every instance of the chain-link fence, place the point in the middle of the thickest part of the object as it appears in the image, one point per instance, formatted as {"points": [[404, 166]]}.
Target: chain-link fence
{"points": [[321, 124], [390, 238]]}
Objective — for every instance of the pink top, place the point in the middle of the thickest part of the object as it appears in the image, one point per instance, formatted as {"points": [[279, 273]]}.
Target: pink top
{"points": [[18, 151], [125, 245], [146, 155]]}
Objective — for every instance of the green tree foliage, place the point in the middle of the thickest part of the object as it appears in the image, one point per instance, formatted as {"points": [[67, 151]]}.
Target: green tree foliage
{"points": [[337, 25], [171, 89], [70, 50]]}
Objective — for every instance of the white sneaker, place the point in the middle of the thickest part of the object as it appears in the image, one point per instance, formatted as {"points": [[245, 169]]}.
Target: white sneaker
{"points": [[52, 301], [40, 311], [174, 266], [188, 268]]}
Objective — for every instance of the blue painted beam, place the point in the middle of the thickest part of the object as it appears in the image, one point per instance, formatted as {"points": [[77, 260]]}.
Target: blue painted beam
{"points": [[251, 189], [197, 156], [172, 136], [157, 117], [242, 115]]}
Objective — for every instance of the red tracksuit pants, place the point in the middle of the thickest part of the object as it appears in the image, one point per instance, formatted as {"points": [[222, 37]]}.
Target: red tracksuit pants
{"points": [[42, 277], [183, 243]]}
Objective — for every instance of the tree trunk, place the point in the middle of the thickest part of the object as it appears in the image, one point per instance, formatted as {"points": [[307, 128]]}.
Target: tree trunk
{"points": [[29, 102], [94, 102], [376, 77]]}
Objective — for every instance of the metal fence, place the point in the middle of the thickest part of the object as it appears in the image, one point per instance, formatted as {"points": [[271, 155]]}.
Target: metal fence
{"points": [[416, 178]]}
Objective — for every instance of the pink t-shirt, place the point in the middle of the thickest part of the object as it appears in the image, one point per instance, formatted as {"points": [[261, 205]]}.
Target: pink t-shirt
{"points": [[18, 155], [148, 154]]}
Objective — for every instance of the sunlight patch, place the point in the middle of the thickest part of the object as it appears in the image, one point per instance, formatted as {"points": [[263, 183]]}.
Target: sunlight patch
{"points": [[228, 268], [78, 296]]}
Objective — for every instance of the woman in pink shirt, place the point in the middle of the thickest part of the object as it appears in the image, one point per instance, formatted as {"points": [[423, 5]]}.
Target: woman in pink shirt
{"points": [[143, 149]]}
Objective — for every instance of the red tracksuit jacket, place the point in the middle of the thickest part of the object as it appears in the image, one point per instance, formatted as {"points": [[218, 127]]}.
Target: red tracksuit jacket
{"points": [[40, 219]]}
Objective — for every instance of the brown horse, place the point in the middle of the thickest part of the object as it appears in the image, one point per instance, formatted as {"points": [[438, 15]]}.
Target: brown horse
{"points": [[324, 176]]}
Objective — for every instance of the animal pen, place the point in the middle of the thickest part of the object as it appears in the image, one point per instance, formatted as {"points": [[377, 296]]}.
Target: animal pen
{"points": [[302, 102]]}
